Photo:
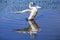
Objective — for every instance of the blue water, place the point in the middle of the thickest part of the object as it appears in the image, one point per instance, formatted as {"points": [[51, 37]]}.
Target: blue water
{"points": [[48, 19]]}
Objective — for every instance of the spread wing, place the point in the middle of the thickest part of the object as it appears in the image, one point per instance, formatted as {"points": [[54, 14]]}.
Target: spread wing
{"points": [[27, 10]]}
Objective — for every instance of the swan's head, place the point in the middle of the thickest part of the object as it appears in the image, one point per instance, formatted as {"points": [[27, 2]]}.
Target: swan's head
{"points": [[32, 3]]}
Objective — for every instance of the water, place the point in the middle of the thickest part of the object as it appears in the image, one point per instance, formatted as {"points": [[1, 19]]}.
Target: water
{"points": [[47, 19]]}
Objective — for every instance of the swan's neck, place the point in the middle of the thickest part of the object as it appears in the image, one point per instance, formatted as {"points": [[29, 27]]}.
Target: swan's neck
{"points": [[30, 5]]}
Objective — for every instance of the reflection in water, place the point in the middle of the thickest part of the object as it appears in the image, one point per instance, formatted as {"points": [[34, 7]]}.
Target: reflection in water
{"points": [[32, 29]]}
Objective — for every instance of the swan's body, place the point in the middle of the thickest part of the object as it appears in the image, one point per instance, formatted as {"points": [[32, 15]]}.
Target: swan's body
{"points": [[33, 11]]}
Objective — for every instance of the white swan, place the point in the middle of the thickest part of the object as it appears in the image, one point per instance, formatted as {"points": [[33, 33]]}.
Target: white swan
{"points": [[33, 10]]}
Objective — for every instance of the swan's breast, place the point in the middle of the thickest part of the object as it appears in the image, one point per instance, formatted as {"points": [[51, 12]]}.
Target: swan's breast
{"points": [[34, 9]]}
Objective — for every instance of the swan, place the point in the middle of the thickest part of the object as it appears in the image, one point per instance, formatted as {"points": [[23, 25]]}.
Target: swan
{"points": [[33, 10]]}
